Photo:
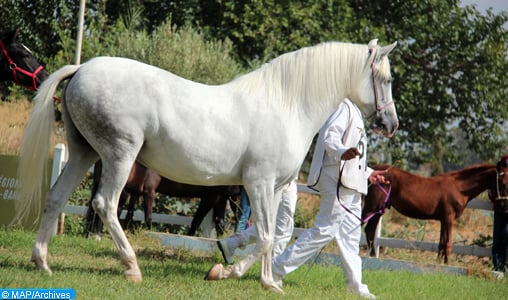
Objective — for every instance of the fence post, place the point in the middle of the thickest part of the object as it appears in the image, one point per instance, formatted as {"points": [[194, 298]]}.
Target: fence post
{"points": [[208, 226], [59, 159]]}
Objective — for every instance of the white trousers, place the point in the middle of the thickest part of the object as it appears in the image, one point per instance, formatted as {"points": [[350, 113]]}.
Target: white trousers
{"points": [[283, 226], [332, 222]]}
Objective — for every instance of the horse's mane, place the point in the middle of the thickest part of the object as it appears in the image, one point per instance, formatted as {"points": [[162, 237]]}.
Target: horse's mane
{"points": [[391, 167], [311, 75], [467, 171], [461, 173]]}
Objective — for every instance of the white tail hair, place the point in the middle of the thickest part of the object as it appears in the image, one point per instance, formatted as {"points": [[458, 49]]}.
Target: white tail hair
{"points": [[35, 146]]}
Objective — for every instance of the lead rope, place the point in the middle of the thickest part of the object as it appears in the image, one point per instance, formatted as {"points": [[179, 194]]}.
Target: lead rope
{"points": [[385, 205], [386, 202]]}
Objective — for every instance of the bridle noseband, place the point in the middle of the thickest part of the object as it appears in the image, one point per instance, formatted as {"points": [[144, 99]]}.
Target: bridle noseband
{"points": [[15, 69]]}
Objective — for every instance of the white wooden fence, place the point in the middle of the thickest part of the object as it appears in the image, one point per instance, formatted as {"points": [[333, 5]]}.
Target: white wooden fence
{"points": [[60, 157]]}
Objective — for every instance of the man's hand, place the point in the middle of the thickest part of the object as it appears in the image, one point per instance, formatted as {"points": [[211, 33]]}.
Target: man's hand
{"points": [[350, 154], [378, 176]]}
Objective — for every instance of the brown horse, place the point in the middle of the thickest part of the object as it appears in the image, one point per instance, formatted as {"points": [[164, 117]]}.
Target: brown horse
{"points": [[146, 182], [442, 197]]}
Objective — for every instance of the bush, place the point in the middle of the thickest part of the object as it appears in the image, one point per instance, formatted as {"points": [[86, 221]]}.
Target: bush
{"points": [[183, 51]]}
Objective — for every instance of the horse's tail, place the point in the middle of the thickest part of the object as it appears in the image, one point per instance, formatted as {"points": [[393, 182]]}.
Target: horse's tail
{"points": [[35, 146]]}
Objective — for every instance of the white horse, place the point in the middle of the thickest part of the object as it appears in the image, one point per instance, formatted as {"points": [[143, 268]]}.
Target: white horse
{"points": [[254, 130]]}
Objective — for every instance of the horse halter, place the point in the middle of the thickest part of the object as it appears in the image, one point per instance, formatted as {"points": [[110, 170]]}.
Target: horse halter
{"points": [[15, 69], [498, 184], [374, 85]]}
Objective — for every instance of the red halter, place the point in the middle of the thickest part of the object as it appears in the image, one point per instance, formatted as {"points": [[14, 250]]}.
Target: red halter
{"points": [[15, 69]]}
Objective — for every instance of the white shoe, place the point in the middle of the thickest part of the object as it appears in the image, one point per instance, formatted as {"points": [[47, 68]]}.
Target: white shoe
{"points": [[362, 292], [498, 275], [277, 279], [227, 252]]}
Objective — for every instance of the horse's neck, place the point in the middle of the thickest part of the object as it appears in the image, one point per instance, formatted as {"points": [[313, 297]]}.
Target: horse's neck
{"points": [[477, 182], [399, 178]]}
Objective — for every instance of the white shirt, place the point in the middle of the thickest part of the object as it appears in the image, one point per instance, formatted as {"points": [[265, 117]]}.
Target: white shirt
{"points": [[343, 129]]}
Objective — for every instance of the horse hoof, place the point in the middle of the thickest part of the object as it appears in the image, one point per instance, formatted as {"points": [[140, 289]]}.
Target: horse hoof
{"points": [[133, 276], [215, 273], [274, 288], [41, 266]]}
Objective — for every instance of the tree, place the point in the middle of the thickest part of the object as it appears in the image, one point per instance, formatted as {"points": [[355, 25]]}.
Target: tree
{"points": [[450, 67]]}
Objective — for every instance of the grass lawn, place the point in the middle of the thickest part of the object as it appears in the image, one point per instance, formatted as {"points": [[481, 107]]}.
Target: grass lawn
{"points": [[92, 268]]}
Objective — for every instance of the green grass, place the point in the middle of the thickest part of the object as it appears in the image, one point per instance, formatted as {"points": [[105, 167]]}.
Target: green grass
{"points": [[92, 268]]}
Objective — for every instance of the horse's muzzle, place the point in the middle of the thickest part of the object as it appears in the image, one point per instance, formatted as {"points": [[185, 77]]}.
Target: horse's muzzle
{"points": [[384, 126]]}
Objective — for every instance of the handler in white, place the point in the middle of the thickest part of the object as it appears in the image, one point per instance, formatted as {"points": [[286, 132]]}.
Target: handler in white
{"points": [[340, 156]]}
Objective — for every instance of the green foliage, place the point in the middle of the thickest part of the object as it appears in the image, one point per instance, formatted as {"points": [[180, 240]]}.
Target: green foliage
{"points": [[450, 64], [450, 68], [183, 51], [265, 29], [304, 218]]}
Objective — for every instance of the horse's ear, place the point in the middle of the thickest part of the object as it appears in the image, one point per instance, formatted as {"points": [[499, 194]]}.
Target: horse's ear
{"points": [[383, 51], [10, 36], [372, 44]]}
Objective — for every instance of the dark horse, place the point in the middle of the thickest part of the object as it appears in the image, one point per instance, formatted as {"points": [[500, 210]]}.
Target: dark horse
{"points": [[442, 197], [146, 182], [18, 64]]}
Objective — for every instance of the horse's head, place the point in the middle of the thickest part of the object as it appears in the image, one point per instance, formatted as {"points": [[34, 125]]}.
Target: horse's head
{"points": [[502, 170], [375, 91], [500, 196], [18, 64]]}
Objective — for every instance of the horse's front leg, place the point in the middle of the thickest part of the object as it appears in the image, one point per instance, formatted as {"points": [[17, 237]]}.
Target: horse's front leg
{"points": [[264, 208], [445, 240], [449, 238], [370, 233]]}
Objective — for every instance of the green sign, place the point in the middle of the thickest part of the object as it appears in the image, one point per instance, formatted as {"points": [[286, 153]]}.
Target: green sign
{"points": [[8, 186]]}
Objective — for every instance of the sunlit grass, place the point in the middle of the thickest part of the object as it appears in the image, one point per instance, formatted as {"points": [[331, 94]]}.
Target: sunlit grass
{"points": [[92, 268]]}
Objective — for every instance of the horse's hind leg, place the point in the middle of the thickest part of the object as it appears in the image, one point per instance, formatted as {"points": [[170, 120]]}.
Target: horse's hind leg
{"points": [[205, 205], [132, 199], [93, 222], [114, 176], [72, 175], [148, 199], [219, 213]]}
